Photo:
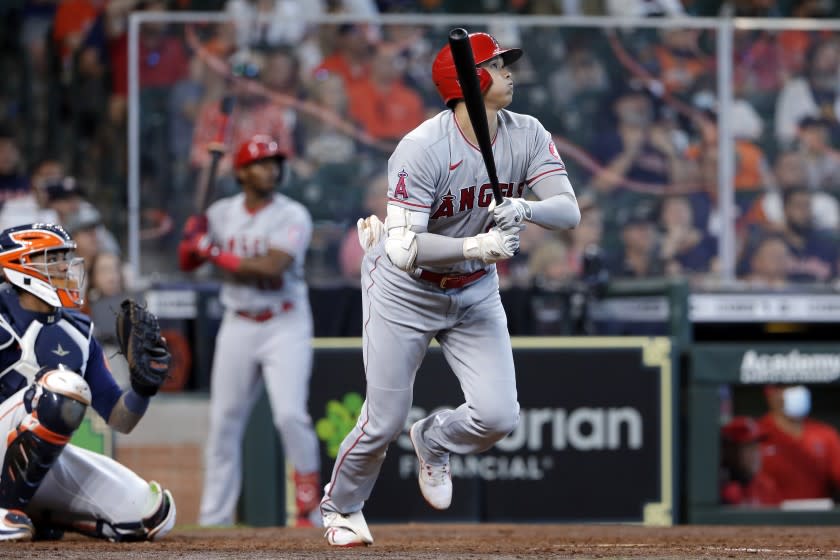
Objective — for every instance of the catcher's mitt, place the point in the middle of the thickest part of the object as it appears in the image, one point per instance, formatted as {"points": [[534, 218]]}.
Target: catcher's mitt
{"points": [[138, 334]]}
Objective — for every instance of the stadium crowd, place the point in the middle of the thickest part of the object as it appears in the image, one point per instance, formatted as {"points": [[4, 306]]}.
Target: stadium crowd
{"points": [[633, 113]]}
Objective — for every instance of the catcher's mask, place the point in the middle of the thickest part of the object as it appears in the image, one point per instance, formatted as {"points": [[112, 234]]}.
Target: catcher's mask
{"points": [[39, 259]]}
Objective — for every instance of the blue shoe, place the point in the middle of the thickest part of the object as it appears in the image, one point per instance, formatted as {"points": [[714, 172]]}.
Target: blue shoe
{"points": [[15, 525]]}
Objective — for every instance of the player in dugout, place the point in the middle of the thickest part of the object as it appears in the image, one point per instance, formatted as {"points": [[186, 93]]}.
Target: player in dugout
{"points": [[801, 455], [742, 481]]}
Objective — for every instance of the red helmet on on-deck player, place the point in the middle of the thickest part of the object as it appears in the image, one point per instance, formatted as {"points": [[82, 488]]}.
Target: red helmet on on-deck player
{"points": [[260, 146], [484, 48]]}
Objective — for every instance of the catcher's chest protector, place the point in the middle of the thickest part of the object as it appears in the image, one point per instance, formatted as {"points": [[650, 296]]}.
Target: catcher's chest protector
{"points": [[66, 342]]}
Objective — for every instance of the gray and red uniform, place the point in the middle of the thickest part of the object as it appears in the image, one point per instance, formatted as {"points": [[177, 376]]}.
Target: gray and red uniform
{"points": [[266, 326], [265, 338], [437, 174]]}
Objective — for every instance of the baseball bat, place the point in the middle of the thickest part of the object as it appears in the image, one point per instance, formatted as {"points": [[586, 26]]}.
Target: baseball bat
{"points": [[217, 150], [464, 59]]}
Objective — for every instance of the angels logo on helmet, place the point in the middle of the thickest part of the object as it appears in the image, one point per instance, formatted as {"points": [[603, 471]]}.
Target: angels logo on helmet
{"points": [[39, 259]]}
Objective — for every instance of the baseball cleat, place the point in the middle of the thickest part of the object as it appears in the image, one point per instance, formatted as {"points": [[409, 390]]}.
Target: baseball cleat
{"points": [[435, 480], [347, 530], [15, 525], [163, 520]]}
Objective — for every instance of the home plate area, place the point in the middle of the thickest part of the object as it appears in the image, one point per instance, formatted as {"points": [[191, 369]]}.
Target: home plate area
{"points": [[451, 541]]}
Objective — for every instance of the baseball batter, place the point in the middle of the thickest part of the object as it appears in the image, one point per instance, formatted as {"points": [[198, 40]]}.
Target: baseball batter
{"points": [[258, 239], [51, 370], [429, 273]]}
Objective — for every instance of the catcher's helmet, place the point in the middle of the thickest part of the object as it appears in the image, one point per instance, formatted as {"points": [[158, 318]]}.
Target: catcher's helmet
{"points": [[260, 146], [484, 48], [38, 258]]}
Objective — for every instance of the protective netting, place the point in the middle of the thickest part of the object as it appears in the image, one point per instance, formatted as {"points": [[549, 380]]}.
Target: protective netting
{"points": [[633, 111]]}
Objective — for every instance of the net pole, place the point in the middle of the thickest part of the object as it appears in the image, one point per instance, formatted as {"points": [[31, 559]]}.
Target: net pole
{"points": [[726, 151], [133, 195]]}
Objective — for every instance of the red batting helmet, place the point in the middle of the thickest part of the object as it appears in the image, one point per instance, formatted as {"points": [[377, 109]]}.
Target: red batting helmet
{"points": [[743, 429], [260, 146], [484, 48]]}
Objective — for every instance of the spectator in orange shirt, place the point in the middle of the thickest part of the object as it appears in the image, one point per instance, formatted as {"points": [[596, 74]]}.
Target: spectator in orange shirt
{"points": [[742, 482], [253, 113], [350, 55], [752, 172], [681, 61], [73, 20], [800, 454], [385, 107]]}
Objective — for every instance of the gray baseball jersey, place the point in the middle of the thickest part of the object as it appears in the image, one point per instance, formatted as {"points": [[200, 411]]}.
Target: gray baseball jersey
{"points": [[285, 225], [436, 170], [278, 345]]}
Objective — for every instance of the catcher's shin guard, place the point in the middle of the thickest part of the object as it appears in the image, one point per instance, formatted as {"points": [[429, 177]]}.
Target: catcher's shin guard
{"points": [[152, 527], [56, 404]]}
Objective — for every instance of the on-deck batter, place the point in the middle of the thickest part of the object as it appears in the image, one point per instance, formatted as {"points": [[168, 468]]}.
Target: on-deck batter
{"points": [[429, 273], [258, 238]]}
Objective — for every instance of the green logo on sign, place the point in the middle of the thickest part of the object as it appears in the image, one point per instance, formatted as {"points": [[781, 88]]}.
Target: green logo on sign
{"points": [[340, 419], [94, 435]]}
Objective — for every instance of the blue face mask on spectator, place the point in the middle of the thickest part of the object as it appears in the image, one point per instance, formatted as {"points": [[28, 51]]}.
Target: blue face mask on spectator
{"points": [[246, 70], [797, 401]]}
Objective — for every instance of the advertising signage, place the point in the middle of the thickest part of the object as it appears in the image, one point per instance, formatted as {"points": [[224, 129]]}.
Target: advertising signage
{"points": [[594, 440]]}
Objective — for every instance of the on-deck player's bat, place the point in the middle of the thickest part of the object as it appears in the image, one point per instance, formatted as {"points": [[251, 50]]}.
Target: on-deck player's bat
{"points": [[217, 150], [464, 59]]}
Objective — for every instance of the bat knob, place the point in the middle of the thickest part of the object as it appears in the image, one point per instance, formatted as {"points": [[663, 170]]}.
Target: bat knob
{"points": [[216, 147], [458, 34]]}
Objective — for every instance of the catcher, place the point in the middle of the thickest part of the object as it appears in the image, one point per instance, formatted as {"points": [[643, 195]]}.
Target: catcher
{"points": [[51, 370]]}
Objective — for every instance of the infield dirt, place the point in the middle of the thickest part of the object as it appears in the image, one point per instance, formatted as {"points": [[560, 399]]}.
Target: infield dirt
{"points": [[467, 541]]}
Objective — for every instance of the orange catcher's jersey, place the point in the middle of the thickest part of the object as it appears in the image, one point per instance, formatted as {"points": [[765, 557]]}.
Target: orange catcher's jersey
{"points": [[435, 169], [283, 224]]}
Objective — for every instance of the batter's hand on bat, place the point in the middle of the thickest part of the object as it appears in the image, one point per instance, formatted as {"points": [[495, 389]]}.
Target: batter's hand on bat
{"points": [[511, 213], [370, 231], [195, 226], [495, 245], [201, 247]]}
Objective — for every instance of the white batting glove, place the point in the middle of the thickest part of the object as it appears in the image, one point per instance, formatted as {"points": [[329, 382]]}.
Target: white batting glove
{"points": [[370, 231], [495, 245], [511, 213]]}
